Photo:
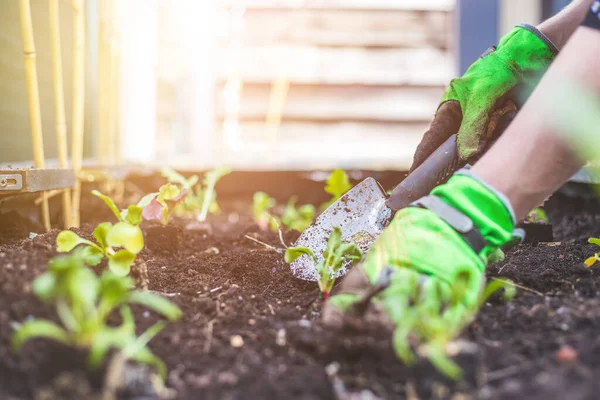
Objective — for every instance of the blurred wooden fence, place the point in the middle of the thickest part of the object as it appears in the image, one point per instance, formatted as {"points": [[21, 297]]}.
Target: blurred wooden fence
{"points": [[323, 83]]}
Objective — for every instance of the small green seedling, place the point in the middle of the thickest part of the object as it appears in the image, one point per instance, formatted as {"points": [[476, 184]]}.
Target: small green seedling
{"points": [[209, 195], [336, 185], [336, 254], [538, 215], [162, 206], [83, 303], [200, 200], [298, 218], [261, 205], [596, 257], [119, 243]]}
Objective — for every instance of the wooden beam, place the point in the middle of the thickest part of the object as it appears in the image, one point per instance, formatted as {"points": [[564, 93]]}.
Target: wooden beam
{"points": [[438, 5], [342, 103], [314, 65], [16, 181], [346, 28]]}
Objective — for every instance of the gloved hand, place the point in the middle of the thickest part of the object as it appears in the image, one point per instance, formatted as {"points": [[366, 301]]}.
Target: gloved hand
{"points": [[474, 104], [424, 275]]}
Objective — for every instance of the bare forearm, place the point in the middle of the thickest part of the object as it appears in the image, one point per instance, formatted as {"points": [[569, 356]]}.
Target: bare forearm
{"points": [[530, 161], [560, 27]]}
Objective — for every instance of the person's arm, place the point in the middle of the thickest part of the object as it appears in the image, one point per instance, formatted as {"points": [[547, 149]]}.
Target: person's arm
{"points": [[560, 27], [529, 162]]}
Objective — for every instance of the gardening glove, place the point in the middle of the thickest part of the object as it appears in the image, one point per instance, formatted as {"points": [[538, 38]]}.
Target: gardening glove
{"points": [[473, 105], [426, 271]]}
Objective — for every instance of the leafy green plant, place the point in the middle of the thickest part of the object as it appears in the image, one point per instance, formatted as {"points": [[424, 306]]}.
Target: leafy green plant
{"points": [[261, 205], [119, 243], [298, 218], [162, 206], [596, 257], [336, 185], [83, 303], [336, 254], [201, 199]]}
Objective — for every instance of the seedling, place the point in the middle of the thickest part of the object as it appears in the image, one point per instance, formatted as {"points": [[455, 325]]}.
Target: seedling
{"points": [[298, 218], [119, 243], [596, 257], [538, 215], [161, 207], [261, 205], [335, 256], [83, 303], [200, 201], [336, 185]]}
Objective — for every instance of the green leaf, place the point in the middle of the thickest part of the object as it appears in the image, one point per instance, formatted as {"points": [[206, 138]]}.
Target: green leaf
{"points": [[591, 261], [120, 262], [101, 232], [147, 199], [594, 241], [82, 288], [44, 286], [133, 215], [145, 356], [293, 253], [38, 328], [93, 256], [174, 177], [110, 203], [156, 303], [442, 362], [344, 301], [334, 241], [337, 184], [114, 291], [127, 236], [68, 240]]}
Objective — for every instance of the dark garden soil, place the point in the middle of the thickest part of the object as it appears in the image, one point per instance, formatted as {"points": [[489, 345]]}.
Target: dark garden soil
{"points": [[545, 344]]}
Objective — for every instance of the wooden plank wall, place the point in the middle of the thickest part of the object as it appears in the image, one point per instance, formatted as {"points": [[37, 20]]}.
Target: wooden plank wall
{"points": [[365, 79]]}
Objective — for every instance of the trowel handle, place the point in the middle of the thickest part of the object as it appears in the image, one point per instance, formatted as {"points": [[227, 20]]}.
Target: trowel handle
{"points": [[438, 167]]}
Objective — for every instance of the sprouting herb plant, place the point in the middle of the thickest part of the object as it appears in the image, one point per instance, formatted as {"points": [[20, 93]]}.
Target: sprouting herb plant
{"points": [[262, 203], [335, 256], [83, 302], [209, 195], [336, 185], [162, 206], [298, 218], [119, 243], [596, 257]]}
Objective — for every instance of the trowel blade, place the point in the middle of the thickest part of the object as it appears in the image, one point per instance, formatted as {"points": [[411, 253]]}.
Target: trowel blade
{"points": [[361, 214]]}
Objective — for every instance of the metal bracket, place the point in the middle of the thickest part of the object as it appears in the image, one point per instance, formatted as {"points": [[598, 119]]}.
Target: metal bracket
{"points": [[10, 182]]}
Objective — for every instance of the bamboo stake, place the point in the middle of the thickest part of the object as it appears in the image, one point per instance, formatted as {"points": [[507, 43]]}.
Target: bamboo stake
{"points": [[59, 97], [111, 84], [103, 140], [78, 102], [33, 96]]}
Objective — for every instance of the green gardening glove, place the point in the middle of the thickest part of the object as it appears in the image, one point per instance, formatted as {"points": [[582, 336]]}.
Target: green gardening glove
{"points": [[474, 104], [424, 276]]}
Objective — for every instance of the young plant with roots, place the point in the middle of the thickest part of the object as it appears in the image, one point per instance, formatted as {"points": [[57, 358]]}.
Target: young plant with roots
{"points": [[83, 302], [428, 314], [337, 254]]}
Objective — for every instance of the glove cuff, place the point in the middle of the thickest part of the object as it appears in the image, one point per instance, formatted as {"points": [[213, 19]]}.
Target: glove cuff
{"points": [[490, 211], [541, 36]]}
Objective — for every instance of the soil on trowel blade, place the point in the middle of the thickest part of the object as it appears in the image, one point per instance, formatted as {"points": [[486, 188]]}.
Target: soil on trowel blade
{"points": [[252, 331]]}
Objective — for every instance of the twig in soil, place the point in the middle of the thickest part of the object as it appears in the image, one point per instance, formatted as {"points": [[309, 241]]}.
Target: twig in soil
{"points": [[209, 335], [279, 230], [271, 308], [505, 372], [164, 294], [519, 286], [215, 289], [268, 246]]}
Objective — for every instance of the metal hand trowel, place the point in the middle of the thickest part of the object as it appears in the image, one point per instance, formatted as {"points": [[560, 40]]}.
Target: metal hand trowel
{"points": [[365, 210]]}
